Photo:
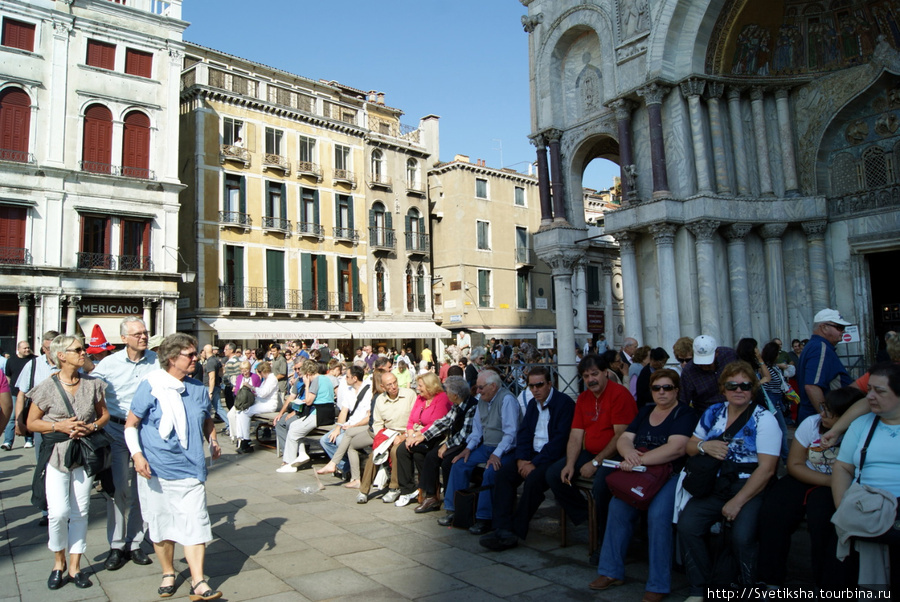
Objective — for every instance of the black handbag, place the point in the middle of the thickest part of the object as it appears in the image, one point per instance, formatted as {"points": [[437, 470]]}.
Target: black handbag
{"points": [[244, 399], [93, 452], [701, 472], [465, 502]]}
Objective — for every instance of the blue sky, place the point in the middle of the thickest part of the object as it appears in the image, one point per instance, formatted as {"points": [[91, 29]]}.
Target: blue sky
{"points": [[466, 61]]}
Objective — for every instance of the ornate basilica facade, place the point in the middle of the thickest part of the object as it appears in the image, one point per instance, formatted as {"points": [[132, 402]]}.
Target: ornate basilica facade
{"points": [[756, 141]]}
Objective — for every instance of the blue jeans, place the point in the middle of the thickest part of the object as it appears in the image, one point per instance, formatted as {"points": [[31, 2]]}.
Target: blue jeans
{"points": [[461, 474], [216, 407], [331, 448], [9, 434], [619, 528]]}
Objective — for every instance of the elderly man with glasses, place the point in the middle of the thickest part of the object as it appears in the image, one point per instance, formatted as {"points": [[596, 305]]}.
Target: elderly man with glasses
{"points": [[820, 368], [122, 372]]}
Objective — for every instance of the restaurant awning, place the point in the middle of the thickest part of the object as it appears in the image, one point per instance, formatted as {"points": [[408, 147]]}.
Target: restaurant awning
{"points": [[374, 329], [250, 328]]}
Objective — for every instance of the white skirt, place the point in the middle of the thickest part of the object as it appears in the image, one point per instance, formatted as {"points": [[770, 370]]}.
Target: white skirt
{"points": [[175, 510]]}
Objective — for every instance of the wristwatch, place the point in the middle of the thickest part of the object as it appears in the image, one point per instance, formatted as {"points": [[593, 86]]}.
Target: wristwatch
{"points": [[700, 448], [594, 463]]}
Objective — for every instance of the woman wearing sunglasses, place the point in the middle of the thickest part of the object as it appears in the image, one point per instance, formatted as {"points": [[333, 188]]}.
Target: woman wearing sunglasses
{"points": [[658, 435], [749, 460]]}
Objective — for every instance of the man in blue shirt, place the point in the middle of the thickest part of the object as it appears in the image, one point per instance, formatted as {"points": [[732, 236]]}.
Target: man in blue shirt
{"points": [[123, 371], [820, 368]]}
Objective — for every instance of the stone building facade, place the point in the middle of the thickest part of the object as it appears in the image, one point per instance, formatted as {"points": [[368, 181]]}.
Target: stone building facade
{"points": [[756, 142], [88, 191]]}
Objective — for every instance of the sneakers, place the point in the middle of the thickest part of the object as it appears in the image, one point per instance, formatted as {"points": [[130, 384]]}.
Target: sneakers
{"points": [[28, 444], [362, 498], [302, 459], [286, 468], [391, 496], [6, 447], [245, 447], [405, 499]]}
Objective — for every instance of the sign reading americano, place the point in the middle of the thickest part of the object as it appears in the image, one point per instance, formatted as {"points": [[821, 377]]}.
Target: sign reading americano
{"points": [[115, 307]]}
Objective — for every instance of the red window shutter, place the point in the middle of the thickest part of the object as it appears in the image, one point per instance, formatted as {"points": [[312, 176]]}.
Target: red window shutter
{"points": [[136, 145], [15, 125], [138, 63], [18, 35], [145, 246], [12, 227], [97, 151], [101, 54]]}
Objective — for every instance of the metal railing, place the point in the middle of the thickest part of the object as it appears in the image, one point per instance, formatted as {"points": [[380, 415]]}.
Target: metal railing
{"points": [[310, 229], [346, 234], [96, 167], [235, 217], [138, 172], [409, 132], [417, 242], [235, 153], [382, 238], [379, 179], [276, 223], [309, 168], [415, 186], [261, 297], [514, 376], [345, 175], [137, 263], [18, 156], [95, 261], [273, 160], [14, 256]]}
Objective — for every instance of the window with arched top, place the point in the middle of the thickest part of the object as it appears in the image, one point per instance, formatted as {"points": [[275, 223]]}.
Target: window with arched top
{"points": [[381, 229], [378, 174], [415, 230], [136, 145], [96, 153], [15, 125], [380, 287], [845, 175], [410, 289], [412, 174], [877, 168]]}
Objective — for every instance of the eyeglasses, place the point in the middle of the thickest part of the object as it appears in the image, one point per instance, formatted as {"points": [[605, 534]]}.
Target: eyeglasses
{"points": [[139, 335], [77, 350], [733, 386], [191, 354], [838, 327], [537, 385], [683, 360], [666, 388]]}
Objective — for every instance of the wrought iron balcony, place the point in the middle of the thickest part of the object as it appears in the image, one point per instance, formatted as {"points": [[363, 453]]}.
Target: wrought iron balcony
{"points": [[350, 234], [310, 229], [260, 297], [382, 239], [417, 243], [238, 154], [415, 187], [410, 133], [138, 172], [276, 161], [95, 167], [18, 156], [235, 218], [346, 176], [14, 256], [378, 180], [138, 263], [524, 257], [276, 223], [96, 261], [308, 168]]}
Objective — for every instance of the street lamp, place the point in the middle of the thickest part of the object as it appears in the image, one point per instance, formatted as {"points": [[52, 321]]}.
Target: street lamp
{"points": [[187, 276]]}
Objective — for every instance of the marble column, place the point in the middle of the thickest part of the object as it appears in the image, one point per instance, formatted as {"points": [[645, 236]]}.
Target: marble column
{"points": [[786, 133], [623, 110], [778, 314], [670, 324], [692, 89], [559, 201], [579, 296], [717, 132], [22, 324], [757, 108], [818, 269], [607, 268], [148, 309], [71, 317], [561, 262], [737, 275], [543, 179], [739, 145], [704, 232], [653, 96], [632, 300]]}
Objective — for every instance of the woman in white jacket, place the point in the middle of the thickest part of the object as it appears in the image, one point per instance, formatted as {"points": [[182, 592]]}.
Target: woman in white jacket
{"points": [[266, 401]]}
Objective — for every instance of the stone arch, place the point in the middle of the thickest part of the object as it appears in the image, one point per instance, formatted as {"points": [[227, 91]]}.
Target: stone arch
{"points": [[590, 146], [679, 49]]}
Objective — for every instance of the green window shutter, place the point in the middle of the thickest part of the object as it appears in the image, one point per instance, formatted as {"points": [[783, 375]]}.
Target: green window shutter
{"points": [[421, 225], [350, 212], [407, 223], [238, 267], [316, 206], [243, 208], [388, 220], [322, 272], [284, 200], [306, 272], [371, 218]]}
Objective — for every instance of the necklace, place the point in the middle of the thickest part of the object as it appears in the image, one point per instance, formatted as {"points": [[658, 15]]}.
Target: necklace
{"points": [[69, 384]]}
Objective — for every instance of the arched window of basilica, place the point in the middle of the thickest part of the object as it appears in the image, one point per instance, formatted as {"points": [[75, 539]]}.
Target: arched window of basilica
{"points": [[877, 168], [845, 175]]}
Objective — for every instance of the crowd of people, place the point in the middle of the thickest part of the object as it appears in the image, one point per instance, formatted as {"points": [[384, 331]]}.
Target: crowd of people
{"points": [[724, 450]]}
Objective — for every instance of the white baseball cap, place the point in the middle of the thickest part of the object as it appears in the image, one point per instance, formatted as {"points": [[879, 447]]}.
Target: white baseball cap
{"points": [[704, 350], [831, 315]]}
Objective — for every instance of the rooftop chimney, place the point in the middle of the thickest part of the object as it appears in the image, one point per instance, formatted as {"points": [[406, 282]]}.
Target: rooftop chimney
{"points": [[461, 158], [381, 98]]}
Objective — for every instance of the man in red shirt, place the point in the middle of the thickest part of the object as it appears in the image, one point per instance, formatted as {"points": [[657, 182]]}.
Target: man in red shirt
{"points": [[601, 414]]}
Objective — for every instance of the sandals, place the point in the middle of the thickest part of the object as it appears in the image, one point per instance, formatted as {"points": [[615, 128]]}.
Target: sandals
{"points": [[167, 591], [209, 594]]}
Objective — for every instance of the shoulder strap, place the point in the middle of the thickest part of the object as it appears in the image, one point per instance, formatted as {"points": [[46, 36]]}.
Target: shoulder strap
{"points": [[865, 447], [65, 397], [738, 424], [359, 398]]}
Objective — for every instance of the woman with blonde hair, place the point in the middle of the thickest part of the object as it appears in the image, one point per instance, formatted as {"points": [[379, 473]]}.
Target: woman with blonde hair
{"points": [[266, 401]]}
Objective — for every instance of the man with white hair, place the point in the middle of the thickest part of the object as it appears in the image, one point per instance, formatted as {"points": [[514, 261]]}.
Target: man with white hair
{"points": [[820, 368], [122, 372], [492, 439]]}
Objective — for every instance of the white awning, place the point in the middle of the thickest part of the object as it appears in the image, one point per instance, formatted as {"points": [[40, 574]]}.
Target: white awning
{"points": [[109, 326], [248, 328], [521, 333], [373, 329]]}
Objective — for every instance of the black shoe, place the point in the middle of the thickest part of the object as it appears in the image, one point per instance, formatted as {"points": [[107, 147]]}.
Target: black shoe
{"points": [[246, 447], [167, 591], [57, 579], [115, 560], [446, 521], [140, 557], [481, 527], [43, 521], [499, 541], [80, 580]]}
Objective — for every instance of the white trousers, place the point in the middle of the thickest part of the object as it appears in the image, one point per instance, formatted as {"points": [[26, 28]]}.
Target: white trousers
{"points": [[241, 427], [68, 500], [298, 429]]}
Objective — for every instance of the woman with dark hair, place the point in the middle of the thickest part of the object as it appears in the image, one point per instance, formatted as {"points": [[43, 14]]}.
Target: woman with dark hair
{"points": [[806, 489], [769, 394], [166, 430], [640, 359], [614, 361], [749, 459]]}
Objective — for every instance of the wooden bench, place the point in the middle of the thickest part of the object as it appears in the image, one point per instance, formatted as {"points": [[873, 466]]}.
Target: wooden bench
{"points": [[265, 431], [586, 487]]}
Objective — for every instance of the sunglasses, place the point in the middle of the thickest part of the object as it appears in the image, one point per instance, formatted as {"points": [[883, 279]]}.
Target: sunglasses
{"points": [[667, 388], [77, 350], [191, 354], [683, 360], [838, 327], [733, 386], [537, 385]]}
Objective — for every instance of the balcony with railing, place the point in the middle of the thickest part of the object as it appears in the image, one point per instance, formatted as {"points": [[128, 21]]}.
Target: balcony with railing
{"points": [[310, 229], [415, 187], [278, 224], [382, 239], [271, 160], [95, 261], [349, 234], [379, 180], [308, 168], [17, 156], [260, 297], [97, 167], [137, 172], [135, 263], [14, 256], [235, 219], [417, 243], [237, 154], [345, 176], [524, 257], [124, 171]]}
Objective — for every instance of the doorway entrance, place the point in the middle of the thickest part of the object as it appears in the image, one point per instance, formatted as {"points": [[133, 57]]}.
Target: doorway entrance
{"points": [[885, 294]]}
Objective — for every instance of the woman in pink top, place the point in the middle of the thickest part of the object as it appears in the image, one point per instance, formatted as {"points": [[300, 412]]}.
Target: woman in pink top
{"points": [[431, 404]]}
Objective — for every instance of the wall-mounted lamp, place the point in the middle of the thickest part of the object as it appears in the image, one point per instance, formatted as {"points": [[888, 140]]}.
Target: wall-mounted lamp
{"points": [[187, 276]]}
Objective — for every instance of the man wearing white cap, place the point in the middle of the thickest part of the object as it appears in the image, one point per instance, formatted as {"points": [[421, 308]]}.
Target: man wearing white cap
{"points": [[700, 376], [820, 368]]}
